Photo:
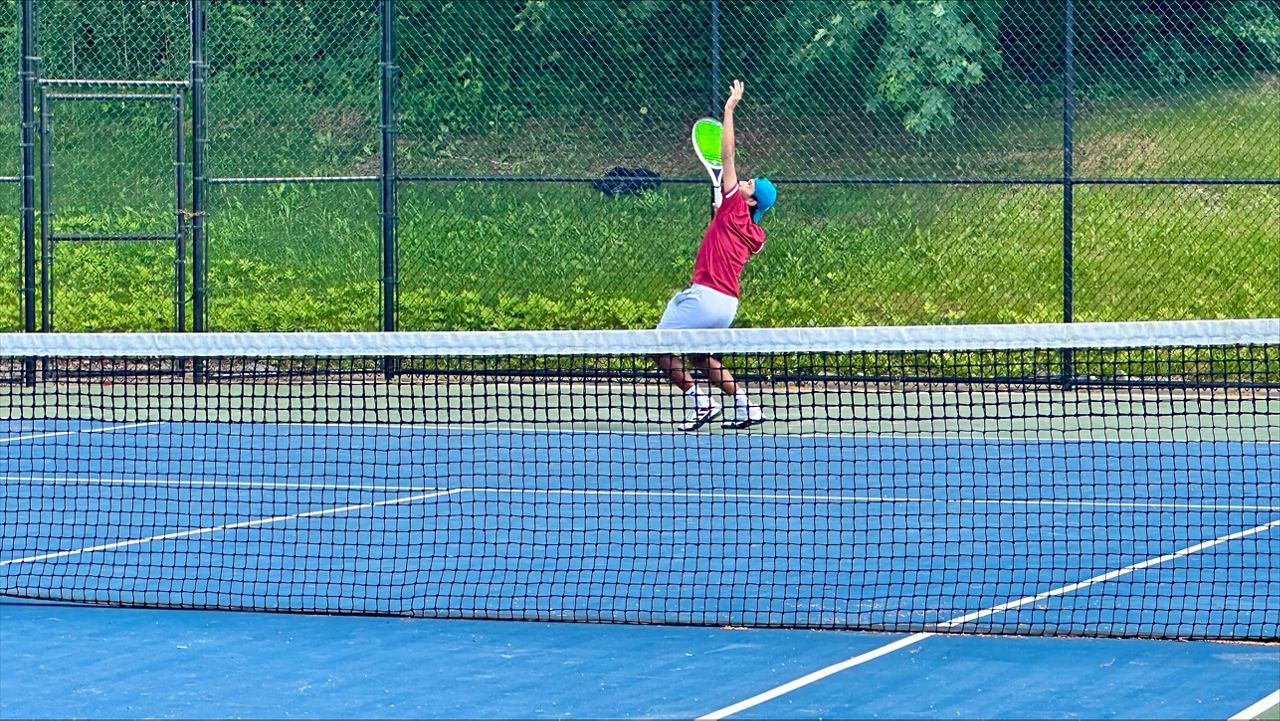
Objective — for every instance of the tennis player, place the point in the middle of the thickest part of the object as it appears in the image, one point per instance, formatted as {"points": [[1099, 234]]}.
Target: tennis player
{"points": [[711, 300]]}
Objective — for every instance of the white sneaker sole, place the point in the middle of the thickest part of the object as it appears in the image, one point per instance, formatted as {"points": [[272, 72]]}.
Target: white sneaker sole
{"points": [[689, 427]]}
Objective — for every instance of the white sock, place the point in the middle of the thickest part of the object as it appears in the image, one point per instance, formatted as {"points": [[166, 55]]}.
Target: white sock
{"points": [[744, 406], [700, 400]]}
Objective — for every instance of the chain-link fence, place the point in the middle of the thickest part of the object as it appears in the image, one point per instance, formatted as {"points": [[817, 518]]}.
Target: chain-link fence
{"points": [[425, 164], [10, 172]]}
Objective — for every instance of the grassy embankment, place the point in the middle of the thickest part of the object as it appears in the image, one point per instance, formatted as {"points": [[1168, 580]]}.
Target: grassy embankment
{"points": [[556, 256]]}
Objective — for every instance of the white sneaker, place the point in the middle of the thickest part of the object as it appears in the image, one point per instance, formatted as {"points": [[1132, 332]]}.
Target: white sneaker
{"points": [[700, 417], [753, 417]]}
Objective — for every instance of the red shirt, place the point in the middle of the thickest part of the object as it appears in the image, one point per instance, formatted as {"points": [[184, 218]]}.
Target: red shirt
{"points": [[731, 239]]}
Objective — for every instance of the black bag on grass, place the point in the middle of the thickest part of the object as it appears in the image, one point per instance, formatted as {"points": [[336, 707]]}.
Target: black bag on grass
{"points": [[619, 181]]}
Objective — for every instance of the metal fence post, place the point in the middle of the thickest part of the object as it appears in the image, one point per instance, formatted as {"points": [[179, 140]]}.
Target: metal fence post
{"points": [[27, 74], [713, 89], [199, 146], [1068, 97], [180, 213], [387, 209], [46, 213], [387, 170]]}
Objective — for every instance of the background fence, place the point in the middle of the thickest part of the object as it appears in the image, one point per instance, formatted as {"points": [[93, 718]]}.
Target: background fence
{"points": [[426, 164]]}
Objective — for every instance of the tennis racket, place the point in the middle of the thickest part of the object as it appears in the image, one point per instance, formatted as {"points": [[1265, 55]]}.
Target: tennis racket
{"points": [[706, 144]]}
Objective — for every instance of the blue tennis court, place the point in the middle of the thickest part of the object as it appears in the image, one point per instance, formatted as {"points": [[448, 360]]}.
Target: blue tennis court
{"points": [[64, 660], [884, 545], [442, 523]]}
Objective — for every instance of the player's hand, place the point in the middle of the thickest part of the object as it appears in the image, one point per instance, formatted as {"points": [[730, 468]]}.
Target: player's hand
{"points": [[735, 94]]}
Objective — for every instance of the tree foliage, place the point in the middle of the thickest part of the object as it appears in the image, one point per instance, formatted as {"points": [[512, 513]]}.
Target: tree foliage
{"points": [[473, 65]]}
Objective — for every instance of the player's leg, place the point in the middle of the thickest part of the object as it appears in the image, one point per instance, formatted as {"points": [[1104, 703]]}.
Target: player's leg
{"points": [[748, 414], [717, 373], [683, 312], [702, 408], [673, 368]]}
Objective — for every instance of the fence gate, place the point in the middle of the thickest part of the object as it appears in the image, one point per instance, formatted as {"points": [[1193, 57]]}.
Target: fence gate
{"points": [[77, 162]]}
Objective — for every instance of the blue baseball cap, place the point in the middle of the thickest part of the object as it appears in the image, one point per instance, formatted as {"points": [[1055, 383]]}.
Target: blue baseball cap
{"points": [[766, 196]]}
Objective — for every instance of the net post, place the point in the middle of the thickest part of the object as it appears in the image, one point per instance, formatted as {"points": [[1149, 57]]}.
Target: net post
{"points": [[27, 72], [199, 145], [1068, 98], [387, 174]]}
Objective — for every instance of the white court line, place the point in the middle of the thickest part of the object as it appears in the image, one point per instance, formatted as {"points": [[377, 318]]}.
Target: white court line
{"points": [[476, 428], [766, 431], [1255, 710], [918, 637], [707, 495], [230, 483], [1109, 575], [106, 429], [876, 499], [225, 527], [818, 675]]}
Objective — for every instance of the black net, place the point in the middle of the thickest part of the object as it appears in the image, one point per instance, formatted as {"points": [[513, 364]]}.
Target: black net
{"points": [[1044, 488]]}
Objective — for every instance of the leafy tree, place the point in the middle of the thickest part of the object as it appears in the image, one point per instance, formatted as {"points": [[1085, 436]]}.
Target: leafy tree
{"points": [[470, 66]]}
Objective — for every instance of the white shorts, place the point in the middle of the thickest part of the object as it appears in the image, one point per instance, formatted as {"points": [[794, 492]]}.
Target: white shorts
{"points": [[699, 307]]}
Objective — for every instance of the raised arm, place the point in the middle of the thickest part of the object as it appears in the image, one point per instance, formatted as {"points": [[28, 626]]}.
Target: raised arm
{"points": [[729, 174]]}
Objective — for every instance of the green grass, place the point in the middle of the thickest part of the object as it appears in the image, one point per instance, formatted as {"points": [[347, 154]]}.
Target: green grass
{"points": [[1209, 131], [851, 256], [294, 257], [502, 256]]}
